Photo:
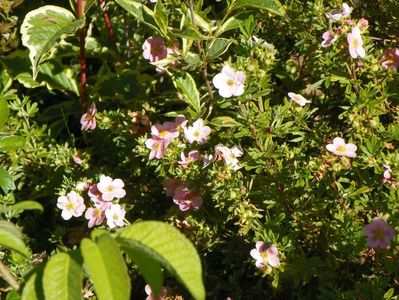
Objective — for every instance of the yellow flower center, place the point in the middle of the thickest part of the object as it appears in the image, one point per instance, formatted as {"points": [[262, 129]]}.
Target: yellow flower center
{"points": [[230, 82], [341, 149]]}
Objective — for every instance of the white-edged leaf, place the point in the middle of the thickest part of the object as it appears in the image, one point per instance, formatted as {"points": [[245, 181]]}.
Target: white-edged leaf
{"points": [[274, 6], [62, 278], [187, 87], [106, 267], [217, 47], [42, 28], [171, 249]]}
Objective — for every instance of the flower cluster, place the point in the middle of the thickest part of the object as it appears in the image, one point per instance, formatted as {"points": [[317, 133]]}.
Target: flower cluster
{"points": [[101, 196]]}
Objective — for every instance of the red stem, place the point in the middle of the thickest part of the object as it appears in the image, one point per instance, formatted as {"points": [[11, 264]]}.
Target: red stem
{"points": [[109, 25], [82, 58]]}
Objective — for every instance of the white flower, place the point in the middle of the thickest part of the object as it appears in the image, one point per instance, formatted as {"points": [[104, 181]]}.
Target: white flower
{"points": [[229, 82], [299, 99], [110, 188], [72, 205], [229, 155], [356, 43], [198, 132], [339, 147], [115, 215], [337, 15]]}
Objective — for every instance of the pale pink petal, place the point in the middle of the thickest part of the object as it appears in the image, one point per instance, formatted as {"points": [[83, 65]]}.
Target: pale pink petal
{"points": [[273, 261]]}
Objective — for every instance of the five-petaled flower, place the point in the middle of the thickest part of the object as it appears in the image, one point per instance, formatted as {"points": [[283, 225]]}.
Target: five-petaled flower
{"points": [[192, 156], [111, 188], [88, 120], [154, 49], [265, 256], [339, 147], [72, 205], [229, 82], [356, 43], [115, 215], [299, 99], [337, 14], [329, 38], [198, 132], [379, 233], [96, 214], [186, 198], [229, 155], [162, 293]]}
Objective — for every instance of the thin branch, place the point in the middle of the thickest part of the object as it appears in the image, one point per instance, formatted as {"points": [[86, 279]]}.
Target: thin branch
{"points": [[108, 23], [6, 275], [82, 58]]}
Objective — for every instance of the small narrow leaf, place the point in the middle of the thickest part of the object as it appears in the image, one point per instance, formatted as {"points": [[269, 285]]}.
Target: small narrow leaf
{"points": [[106, 268], [27, 205], [6, 181], [62, 278], [9, 143], [4, 111], [224, 121], [42, 28], [10, 240], [187, 87], [274, 6], [171, 249]]}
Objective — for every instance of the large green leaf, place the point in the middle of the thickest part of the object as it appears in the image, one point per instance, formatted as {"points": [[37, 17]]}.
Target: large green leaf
{"points": [[6, 181], [274, 6], [9, 143], [12, 240], [62, 278], [42, 28], [171, 249], [140, 12], [4, 111], [187, 87], [217, 47], [27, 205], [106, 267], [33, 288], [50, 73]]}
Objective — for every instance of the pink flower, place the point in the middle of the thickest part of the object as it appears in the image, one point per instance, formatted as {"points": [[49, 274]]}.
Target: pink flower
{"points": [[229, 82], [167, 131], [115, 215], [72, 205], [88, 120], [171, 185], [336, 14], [390, 58], [229, 155], [77, 159], [378, 233], [186, 198], [111, 188], [299, 99], [154, 49], [265, 256], [96, 214], [157, 146], [180, 122], [95, 195], [356, 43], [339, 147], [162, 293], [191, 157], [198, 132], [329, 38], [387, 172]]}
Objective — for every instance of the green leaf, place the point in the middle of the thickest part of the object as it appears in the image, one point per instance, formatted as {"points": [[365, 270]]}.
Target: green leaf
{"points": [[10, 240], [9, 143], [42, 28], [186, 85], [27, 205], [217, 47], [274, 6], [147, 264], [106, 268], [161, 18], [225, 121], [4, 111], [233, 22], [13, 295], [6, 181], [140, 12], [62, 278], [5, 81], [171, 249], [33, 288]]}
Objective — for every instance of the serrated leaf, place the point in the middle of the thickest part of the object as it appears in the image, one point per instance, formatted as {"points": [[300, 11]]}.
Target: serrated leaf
{"points": [[42, 28], [106, 268], [4, 111], [62, 278], [27, 205], [6, 181], [146, 263], [225, 121], [140, 12], [10, 240], [217, 47], [172, 250], [9, 143], [187, 87], [274, 6]]}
